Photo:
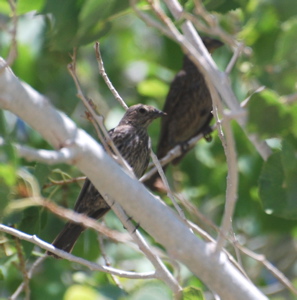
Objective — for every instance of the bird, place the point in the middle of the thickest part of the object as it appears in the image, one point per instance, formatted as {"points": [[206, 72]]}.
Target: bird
{"points": [[131, 138], [188, 107]]}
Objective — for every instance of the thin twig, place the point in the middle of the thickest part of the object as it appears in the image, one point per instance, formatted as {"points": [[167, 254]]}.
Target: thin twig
{"points": [[75, 217], [234, 58], [92, 266], [63, 155], [23, 267], [149, 20], [232, 178], [172, 154], [13, 51], [216, 31], [167, 187], [245, 102], [289, 99], [105, 77], [63, 182], [106, 259], [269, 266], [22, 286]]}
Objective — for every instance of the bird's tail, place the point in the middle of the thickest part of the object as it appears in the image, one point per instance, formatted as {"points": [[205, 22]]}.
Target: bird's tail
{"points": [[67, 238]]}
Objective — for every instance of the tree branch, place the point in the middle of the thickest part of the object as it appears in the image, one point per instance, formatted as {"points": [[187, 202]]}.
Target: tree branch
{"points": [[92, 266]]}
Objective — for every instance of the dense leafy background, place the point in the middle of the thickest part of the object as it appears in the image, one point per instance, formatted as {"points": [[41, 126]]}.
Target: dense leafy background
{"points": [[141, 63]]}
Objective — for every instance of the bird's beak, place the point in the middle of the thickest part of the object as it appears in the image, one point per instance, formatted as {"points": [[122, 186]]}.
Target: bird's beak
{"points": [[217, 44], [160, 113]]}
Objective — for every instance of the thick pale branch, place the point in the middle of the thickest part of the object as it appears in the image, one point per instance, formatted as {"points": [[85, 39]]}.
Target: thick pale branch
{"points": [[64, 155], [19, 98]]}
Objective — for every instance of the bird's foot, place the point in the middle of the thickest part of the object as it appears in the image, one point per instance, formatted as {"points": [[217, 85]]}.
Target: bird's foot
{"points": [[136, 227], [207, 134]]}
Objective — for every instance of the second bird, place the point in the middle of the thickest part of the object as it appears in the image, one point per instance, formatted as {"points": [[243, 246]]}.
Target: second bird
{"points": [[188, 107]]}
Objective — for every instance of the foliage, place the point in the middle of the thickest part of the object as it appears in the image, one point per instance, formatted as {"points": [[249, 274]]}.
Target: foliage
{"points": [[141, 63]]}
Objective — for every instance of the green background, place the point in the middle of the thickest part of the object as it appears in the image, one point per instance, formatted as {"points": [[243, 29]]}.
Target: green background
{"points": [[141, 63]]}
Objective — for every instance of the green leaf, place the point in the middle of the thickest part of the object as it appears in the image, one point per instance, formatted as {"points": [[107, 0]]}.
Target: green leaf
{"points": [[8, 154], [271, 189], [267, 116], [192, 293], [277, 183], [153, 88], [1, 275], [90, 20], [5, 262], [65, 15], [81, 292], [4, 7], [222, 6], [286, 46], [30, 224], [24, 6], [285, 8], [7, 180], [41, 172], [8, 174]]}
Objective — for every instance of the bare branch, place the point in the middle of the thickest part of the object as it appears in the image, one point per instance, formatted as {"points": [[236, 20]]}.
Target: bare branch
{"points": [[236, 54], [105, 77], [63, 182], [64, 155], [107, 262], [289, 98], [30, 272], [13, 51], [92, 266], [167, 187], [232, 178], [172, 154], [150, 21], [269, 266], [23, 268]]}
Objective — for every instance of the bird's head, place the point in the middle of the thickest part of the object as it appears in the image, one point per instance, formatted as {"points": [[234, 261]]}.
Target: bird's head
{"points": [[211, 44], [141, 115]]}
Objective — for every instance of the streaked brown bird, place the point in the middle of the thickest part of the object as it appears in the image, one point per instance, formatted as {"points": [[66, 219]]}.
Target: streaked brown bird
{"points": [[188, 107], [132, 140]]}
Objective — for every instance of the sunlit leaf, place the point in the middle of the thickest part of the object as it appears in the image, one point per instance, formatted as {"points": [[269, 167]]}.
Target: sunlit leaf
{"points": [[24, 6], [152, 88], [8, 174], [4, 7], [30, 224], [192, 293], [80, 292], [41, 172]]}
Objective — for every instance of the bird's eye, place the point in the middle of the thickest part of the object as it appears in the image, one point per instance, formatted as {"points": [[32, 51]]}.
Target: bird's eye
{"points": [[142, 110]]}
